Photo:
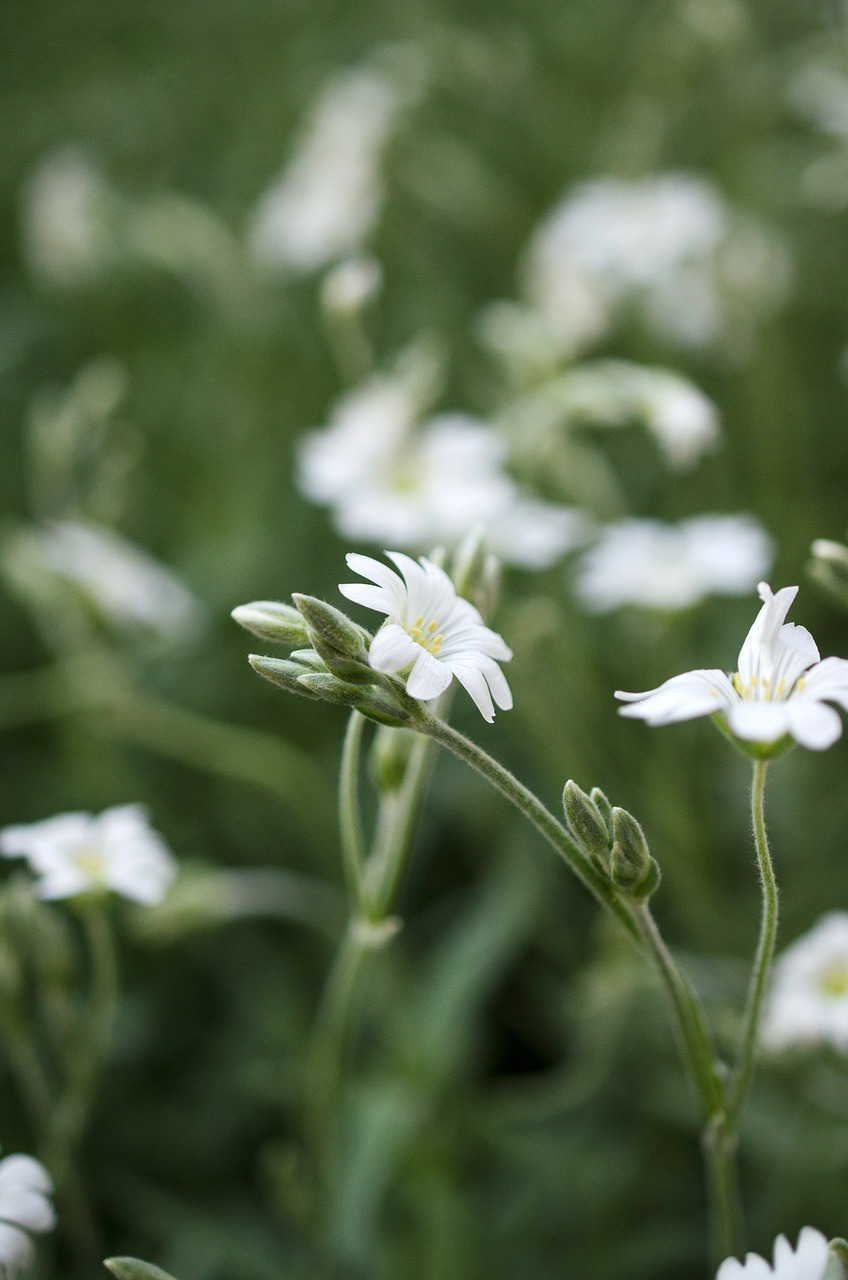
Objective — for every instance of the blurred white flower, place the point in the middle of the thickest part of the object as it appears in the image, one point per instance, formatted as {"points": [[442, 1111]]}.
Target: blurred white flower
{"points": [[430, 631], [25, 1190], [390, 479], [664, 566], [122, 584], [352, 284], [76, 853], [662, 245], [780, 688], [808, 1000], [327, 199], [67, 208], [810, 1261]]}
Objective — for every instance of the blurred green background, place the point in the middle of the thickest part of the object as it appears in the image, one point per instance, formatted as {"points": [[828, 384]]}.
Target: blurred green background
{"points": [[514, 1106]]}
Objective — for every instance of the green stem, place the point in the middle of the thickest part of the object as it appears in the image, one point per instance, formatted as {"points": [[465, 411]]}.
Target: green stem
{"points": [[719, 1146], [395, 825], [765, 947], [533, 809], [350, 818]]}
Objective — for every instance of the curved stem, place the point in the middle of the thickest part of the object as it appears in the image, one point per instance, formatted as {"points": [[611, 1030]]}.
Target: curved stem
{"points": [[533, 809], [765, 947], [350, 819]]}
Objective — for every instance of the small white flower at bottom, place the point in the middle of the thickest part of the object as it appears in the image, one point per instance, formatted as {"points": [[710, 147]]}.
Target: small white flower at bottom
{"points": [[430, 631], [808, 1000], [780, 687], [810, 1261], [76, 853], [25, 1188]]}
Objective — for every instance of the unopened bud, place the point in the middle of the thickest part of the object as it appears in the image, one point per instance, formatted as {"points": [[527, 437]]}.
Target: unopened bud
{"points": [[632, 868], [323, 684], [340, 642], [282, 672], [135, 1269], [585, 822], [271, 620], [837, 1267], [389, 758], [829, 567], [604, 808]]}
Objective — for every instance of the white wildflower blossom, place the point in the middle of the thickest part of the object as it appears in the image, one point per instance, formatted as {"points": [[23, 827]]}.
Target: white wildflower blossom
{"points": [[672, 566], [430, 631], [327, 199], [811, 1260], [663, 245], [780, 689], [67, 210], [77, 853], [808, 1000], [126, 587], [25, 1209], [391, 478]]}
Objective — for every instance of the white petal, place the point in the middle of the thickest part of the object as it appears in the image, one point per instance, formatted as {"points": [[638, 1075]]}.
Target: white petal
{"points": [[812, 1254], [15, 1248], [828, 681], [765, 628], [683, 697], [472, 680], [393, 649], [370, 597], [759, 721], [812, 723], [497, 682], [428, 678], [730, 1269], [379, 573]]}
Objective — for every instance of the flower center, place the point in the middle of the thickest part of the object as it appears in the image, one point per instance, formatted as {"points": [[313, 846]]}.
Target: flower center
{"points": [[760, 688], [427, 636], [833, 981], [89, 859]]}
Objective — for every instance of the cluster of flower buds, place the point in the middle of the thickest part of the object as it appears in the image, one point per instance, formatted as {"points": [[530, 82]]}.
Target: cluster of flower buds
{"points": [[332, 664], [612, 840]]}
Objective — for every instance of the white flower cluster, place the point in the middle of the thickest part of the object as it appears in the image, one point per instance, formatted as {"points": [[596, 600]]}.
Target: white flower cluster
{"points": [[808, 1000], [327, 199], [666, 566], [75, 853], [25, 1208], [811, 1260], [666, 247], [390, 478]]}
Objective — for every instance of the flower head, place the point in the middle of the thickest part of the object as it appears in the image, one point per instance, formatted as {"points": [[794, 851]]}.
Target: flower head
{"points": [[25, 1188], [430, 631], [779, 690], [808, 1001], [75, 853], [810, 1261]]}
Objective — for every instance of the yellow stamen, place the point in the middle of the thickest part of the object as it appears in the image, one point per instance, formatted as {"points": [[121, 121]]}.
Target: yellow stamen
{"points": [[833, 981]]}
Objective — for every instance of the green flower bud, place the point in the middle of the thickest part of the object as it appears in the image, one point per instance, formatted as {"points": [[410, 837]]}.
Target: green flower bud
{"points": [[340, 642], [476, 572], [271, 620], [837, 1267], [389, 758], [604, 808], [829, 567], [632, 868], [586, 823], [329, 687], [135, 1269], [282, 672]]}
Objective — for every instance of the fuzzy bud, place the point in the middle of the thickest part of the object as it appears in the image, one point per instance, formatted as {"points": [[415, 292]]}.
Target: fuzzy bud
{"points": [[135, 1269], [586, 823], [282, 672], [340, 642], [389, 758], [632, 868], [604, 808], [271, 620]]}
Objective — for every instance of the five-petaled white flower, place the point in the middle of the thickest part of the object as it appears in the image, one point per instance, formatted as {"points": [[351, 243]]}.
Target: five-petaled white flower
{"points": [[430, 631], [808, 1001], [780, 687], [75, 853], [25, 1187], [812, 1260]]}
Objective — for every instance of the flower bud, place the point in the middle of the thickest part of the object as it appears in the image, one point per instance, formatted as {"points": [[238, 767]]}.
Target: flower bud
{"points": [[586, 823], [271, 620], [389, 758], [135, 1269], [282, 672], [829, 567], [632, 868], [476, 572], [340, 642], [604, 808], [837, 1267]]}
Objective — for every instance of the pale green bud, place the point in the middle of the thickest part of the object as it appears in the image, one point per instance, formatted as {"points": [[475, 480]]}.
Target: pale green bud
{"points": [[586, 823], [837, 1267], [389, 758], [604, 808], [476, 572], [340, 642], [323, 684], [271, 620], [632, 868], [829, 567], [282, 672], [135, 1269]]}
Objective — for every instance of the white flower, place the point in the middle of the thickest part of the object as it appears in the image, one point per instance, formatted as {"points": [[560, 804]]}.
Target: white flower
{"points": [[430, 631], [127, 588], [665, 566], [68, 207], [327, 199], [25, 1188], [808, 1000], [780, 687], [392, 479], [810, 1261], [75, 853], [666, 244]]}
